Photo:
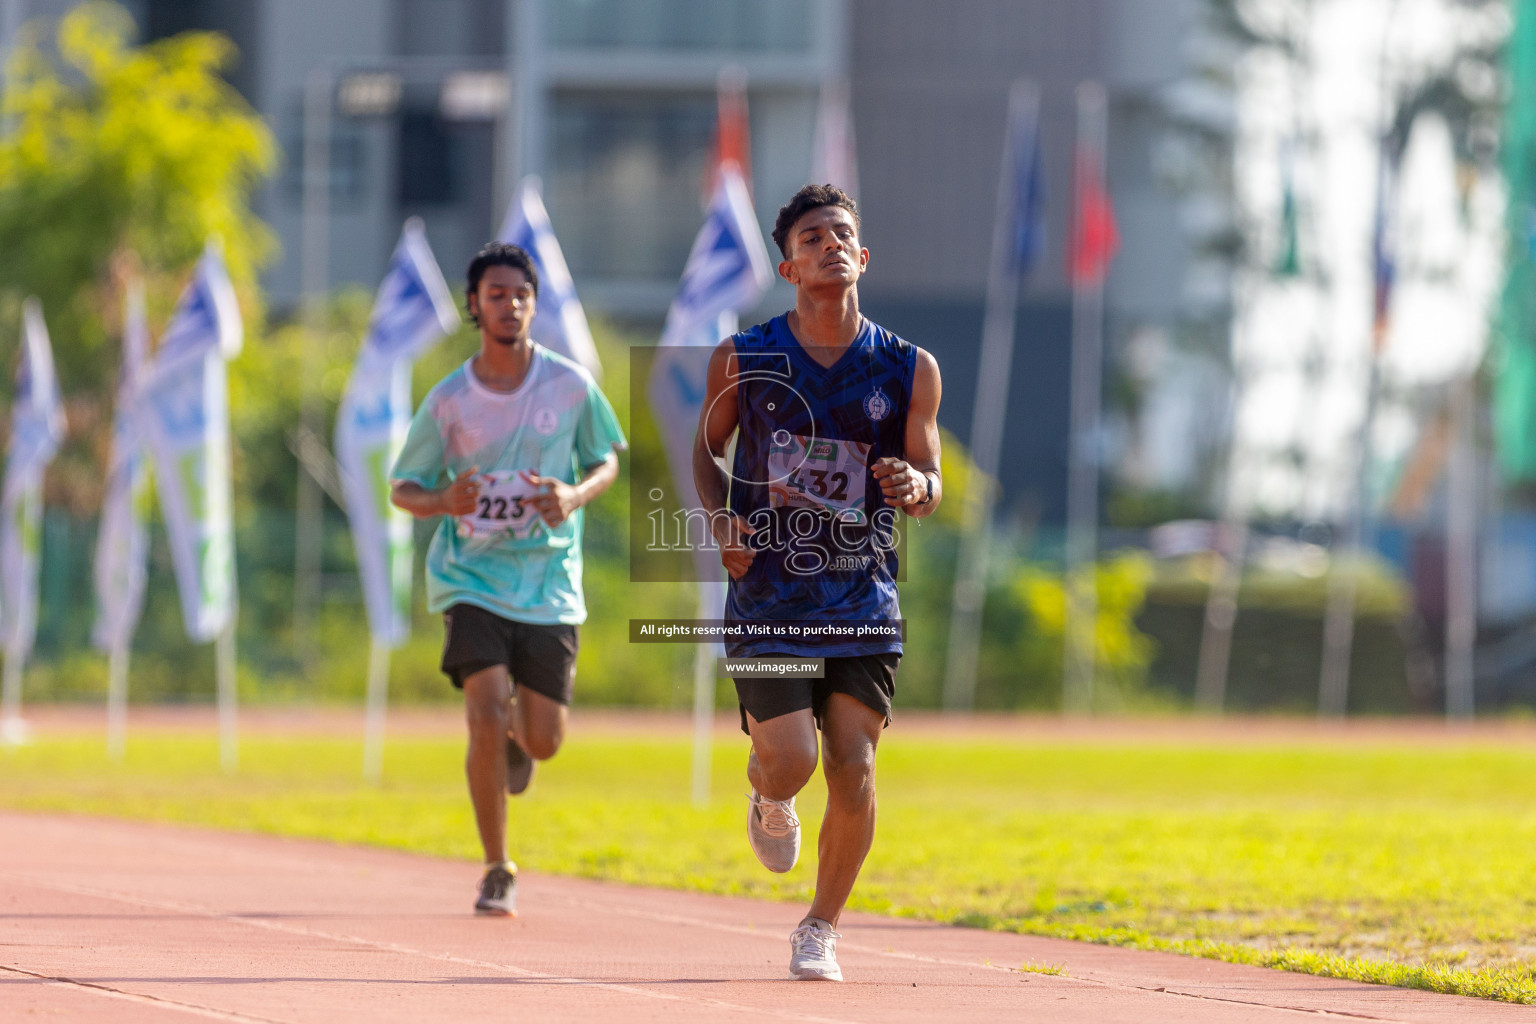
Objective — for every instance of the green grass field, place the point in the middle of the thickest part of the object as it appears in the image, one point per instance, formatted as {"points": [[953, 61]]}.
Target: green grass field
{"points": [[1399, 862]]}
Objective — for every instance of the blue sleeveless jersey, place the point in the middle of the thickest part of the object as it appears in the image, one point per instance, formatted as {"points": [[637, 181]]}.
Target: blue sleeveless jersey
{"points": [[807, 437]]}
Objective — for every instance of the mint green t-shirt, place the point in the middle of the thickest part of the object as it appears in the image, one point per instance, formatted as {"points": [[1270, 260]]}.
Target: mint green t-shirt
{"points": [[504, 559]]}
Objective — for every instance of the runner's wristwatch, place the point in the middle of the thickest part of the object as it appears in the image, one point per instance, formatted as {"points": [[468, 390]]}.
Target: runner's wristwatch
{"points": [[927, 498]]}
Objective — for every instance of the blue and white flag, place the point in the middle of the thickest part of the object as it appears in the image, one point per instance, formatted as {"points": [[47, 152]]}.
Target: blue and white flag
{"points": [[559, 323], [727, 272], [37, 428], [182, 414], [1027, 242], [122, 546], [411, 312]]}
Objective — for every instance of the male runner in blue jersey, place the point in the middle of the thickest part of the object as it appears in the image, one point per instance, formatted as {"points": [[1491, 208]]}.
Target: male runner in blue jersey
{"points": [[495, 450], [836, 424]]}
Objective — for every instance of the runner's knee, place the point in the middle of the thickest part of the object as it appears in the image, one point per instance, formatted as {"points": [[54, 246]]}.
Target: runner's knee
{"points": [[543, 747], [486, 710], [849, 769], [787, 766], [540, 724]]}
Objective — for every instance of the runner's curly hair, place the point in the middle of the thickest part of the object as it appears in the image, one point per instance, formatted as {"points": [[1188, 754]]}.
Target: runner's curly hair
{"points": [[498, 254], [802, 202]]}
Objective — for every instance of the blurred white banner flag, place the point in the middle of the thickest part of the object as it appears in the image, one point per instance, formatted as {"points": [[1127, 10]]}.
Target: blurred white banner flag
{"points": [[122, 546], [182, 414], [559, 323], [727, 273], [412, 311], [37, 428]]}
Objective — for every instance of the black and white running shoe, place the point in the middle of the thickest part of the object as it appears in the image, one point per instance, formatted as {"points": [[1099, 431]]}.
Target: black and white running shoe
{"points": [[498, 893]]}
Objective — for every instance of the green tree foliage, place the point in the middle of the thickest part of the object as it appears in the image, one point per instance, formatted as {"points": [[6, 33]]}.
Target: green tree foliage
{"points": [[1024, 622], [107, 149]]}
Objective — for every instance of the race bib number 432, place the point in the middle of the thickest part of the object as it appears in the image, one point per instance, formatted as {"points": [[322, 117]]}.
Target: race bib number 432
{"points": [[819, 473], [503, 507]]}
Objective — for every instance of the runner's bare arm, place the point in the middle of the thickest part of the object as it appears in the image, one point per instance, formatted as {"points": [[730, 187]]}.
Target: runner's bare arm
{"points": [[904, 482], [560, 499], [717, 422], [457, 499]]}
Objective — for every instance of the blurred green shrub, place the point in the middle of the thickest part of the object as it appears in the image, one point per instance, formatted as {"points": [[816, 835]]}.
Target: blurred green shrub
{"points": [[1277, 639]]}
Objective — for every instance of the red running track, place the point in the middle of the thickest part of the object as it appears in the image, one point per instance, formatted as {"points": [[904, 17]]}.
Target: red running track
{"points": [[126, 922]]}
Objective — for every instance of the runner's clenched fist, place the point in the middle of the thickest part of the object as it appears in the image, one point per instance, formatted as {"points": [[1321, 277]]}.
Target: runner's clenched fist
{"points": [[460, 497]]}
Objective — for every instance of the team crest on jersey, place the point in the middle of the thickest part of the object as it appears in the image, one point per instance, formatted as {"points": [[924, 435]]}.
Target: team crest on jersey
{"points": [[545, 421], [876, 405]]}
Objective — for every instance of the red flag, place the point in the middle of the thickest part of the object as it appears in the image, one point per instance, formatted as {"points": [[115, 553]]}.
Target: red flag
{"points": [[733, 140], [1095, 236]]}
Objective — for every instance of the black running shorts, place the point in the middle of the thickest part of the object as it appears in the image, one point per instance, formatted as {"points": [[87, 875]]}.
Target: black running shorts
{"points": [[540, 657], [869, 678]]}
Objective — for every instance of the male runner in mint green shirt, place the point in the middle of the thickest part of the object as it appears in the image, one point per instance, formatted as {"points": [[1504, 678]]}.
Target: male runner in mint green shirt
{"points": [[507, 448]]}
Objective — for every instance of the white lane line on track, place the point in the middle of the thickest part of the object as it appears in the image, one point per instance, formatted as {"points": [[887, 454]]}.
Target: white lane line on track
{"points": [[736, 929], [393, 947], [108, 992]]}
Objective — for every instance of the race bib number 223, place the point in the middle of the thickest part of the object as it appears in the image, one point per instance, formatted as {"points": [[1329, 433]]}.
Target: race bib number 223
{"points": [[502, 507]]}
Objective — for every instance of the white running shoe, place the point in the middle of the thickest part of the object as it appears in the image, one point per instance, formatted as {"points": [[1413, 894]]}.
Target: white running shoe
{"points": [[774, 831], [498, 893], [813, 952]]}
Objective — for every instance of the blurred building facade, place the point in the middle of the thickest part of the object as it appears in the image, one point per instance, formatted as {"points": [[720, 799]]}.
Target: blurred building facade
{"points": [[439, 106]]}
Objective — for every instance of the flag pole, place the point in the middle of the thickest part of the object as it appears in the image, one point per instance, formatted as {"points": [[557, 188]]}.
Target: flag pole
{"points": [[1221, 615], [37, 428], [412, 312], [117, 699], [1214, 667], [1461, 552], [711, 607], [122, 544], [309, 507], [705, 311], [1343, 578], [732, 151], [1082, 458], [1344, 583], [1348, 556], [993, 376], [224, 667], [377, 707], [13, 730], [703, 722]]}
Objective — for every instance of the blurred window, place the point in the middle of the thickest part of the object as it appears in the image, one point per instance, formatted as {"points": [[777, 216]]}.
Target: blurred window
{"points": [[430, 160], [348, 165], [450, 28], [625, 180], [750, 25]]}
